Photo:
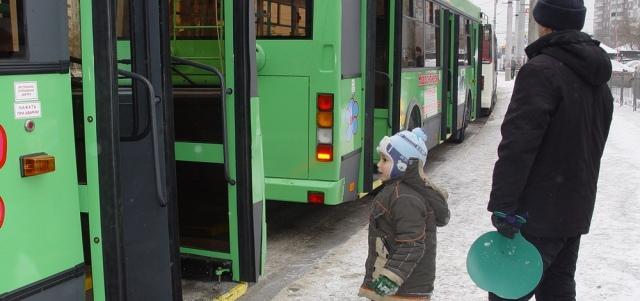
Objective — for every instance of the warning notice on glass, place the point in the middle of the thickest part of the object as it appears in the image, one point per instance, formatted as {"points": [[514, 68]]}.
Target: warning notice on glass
{"points": [[25, 110]]}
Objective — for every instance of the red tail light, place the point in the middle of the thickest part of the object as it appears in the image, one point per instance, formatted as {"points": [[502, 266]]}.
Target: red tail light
{"points": [[315, 197], [324, 152], [325, 102], [3, 146], [324, 122]]}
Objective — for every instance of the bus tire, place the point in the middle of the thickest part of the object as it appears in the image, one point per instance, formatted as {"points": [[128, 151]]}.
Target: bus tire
{"points": [[414, 119]]}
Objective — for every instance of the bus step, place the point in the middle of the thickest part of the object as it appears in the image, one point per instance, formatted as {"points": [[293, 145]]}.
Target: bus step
{"points": [[205, 269]]}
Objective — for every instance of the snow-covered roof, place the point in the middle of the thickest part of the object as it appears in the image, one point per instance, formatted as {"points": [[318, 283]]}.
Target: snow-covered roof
{"points": [[607, 48]]}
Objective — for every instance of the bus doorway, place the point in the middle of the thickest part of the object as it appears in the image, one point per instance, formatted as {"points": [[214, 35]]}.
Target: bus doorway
{"points": [[219, 168], [383, 56]]}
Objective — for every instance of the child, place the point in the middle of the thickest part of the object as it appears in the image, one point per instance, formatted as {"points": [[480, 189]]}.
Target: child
{"points": [[402, 226]]}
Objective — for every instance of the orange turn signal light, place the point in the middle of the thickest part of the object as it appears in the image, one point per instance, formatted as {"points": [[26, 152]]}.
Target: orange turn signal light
{"points": [[325, 119], [37, 164]]}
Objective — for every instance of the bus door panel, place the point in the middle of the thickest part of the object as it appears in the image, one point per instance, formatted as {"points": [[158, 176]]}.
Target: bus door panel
{"points": [[136, 182], [447, 69], [149, 242], [454, 72], [40, 239]]}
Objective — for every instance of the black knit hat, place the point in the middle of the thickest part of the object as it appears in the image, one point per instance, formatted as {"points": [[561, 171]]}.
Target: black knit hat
{"points": [[560, 14]]}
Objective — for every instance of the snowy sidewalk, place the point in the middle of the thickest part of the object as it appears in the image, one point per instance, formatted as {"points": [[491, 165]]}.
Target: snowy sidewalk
{"points": [[608, 268]]}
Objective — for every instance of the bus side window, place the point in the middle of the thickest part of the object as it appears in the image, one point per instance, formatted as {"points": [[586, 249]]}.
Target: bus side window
{"points": [[11, 29], [284, 19], [432, 36], [464, 46]]}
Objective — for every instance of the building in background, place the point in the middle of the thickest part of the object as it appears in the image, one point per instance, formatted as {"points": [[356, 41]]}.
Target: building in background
{"points": [[617, 22]]}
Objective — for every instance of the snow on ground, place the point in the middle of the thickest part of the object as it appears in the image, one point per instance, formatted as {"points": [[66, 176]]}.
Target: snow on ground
{"points": [[608, 267]]}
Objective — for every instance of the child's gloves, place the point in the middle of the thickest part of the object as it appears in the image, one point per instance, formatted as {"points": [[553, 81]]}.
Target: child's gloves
{"points": [[384, 286], [508, 224]]}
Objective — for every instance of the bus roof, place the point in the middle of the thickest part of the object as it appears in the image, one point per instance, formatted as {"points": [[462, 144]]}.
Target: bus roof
{"points": [[464, 7]]}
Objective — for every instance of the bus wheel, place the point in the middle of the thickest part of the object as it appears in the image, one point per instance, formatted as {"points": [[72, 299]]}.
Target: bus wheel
{"points": [[414, 119]]}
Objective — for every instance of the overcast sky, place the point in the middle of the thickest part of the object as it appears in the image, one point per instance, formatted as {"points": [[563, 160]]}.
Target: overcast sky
{"points": [[501, 20]]}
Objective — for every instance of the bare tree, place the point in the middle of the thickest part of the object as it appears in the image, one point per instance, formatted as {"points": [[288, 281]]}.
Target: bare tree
{"points": [[628, 33]]}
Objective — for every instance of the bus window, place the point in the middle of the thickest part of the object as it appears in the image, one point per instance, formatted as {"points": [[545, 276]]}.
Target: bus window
{"points": [[283, 19], [122, 20], [413, 34], [430, 11], [432, 37], [464, 53], [11, 29], [487, 51], [196, 19], [420, 35]]}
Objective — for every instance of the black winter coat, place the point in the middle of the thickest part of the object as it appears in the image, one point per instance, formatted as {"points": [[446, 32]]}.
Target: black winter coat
{"points": [[553, 136]]}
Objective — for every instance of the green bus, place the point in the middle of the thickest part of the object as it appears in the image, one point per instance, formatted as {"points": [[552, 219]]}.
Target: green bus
{"points": [[119, 176], [336, 76]]}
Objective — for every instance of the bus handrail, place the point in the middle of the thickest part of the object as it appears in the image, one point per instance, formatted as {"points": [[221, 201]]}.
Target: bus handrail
{"points": [[224, 92], [154, 101], [135, 133], [388, 77]]}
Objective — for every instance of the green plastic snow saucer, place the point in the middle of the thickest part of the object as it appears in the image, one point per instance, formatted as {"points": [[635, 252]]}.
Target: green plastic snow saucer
{"points": [[509, 268]]}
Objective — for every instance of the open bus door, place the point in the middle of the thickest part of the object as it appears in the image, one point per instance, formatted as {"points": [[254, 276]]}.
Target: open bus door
{"points": [[40, 239], [146, 200], [133, 167], [152, 199]]}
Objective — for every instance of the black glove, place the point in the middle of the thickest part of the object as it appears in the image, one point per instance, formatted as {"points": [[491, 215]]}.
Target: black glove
{"points": [[508, 224]]}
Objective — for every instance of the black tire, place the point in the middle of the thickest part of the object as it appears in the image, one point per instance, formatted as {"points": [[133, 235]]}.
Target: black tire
{"points": [[414, 120]]}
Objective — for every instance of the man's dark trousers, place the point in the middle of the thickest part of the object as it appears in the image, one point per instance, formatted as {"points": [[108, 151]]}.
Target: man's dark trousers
{"points": [[559, 256]]}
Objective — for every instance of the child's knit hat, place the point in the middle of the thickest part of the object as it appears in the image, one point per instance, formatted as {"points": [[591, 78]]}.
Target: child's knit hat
{"points": [[403, 146]]}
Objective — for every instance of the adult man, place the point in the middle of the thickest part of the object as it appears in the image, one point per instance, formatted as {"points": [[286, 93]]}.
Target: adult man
{"points": [[553, 137]]}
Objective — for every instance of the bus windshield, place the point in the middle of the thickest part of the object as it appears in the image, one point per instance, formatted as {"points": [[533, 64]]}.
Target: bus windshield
{"points": [[283, 19]]}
